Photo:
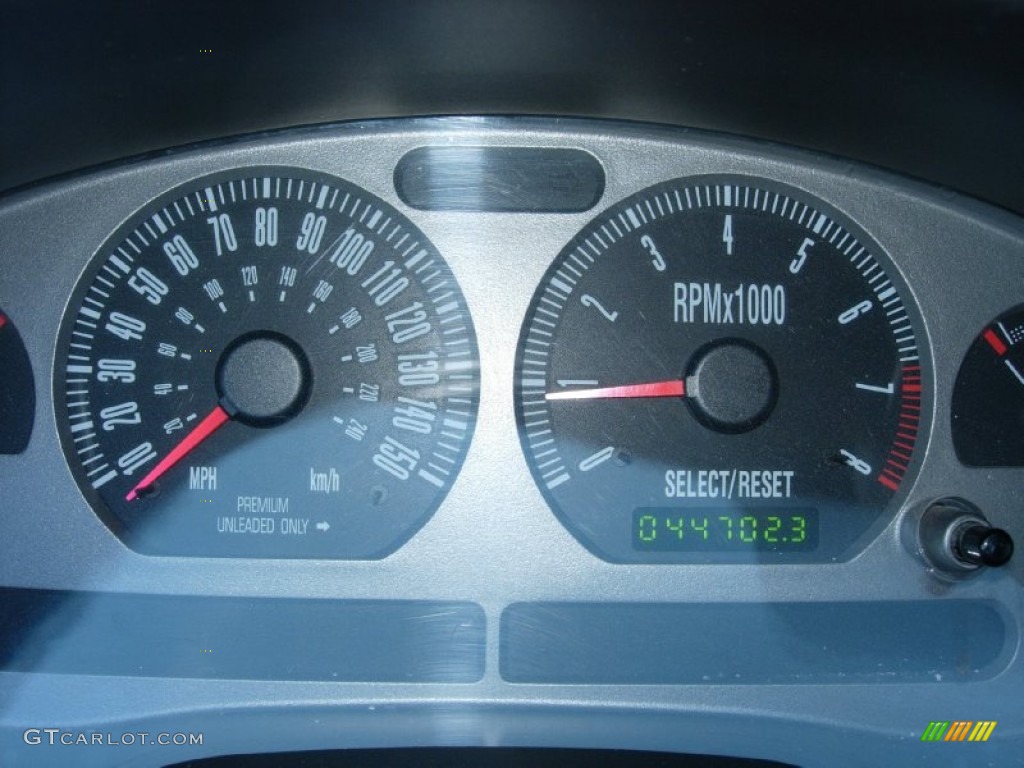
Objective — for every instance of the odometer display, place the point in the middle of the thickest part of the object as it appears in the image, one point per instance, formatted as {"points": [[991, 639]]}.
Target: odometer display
{"points": [[724, 530], [729, 357], [267, 363]]}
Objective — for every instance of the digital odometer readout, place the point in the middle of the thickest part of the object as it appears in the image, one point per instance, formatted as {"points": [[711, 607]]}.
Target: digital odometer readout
{"points": [[724, 530]]}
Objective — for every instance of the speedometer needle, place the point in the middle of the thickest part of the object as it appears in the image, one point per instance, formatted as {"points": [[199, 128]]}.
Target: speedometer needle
{"points": [[214, 421], [671, 388]]}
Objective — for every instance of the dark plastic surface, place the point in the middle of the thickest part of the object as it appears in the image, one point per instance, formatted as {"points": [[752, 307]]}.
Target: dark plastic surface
{"points": [[930, 88], [478, 757], [499, 179], [240, 639], [747, 644]]}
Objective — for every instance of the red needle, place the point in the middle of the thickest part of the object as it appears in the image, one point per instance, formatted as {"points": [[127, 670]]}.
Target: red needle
{"points": [[673, 388], [217, 418]]}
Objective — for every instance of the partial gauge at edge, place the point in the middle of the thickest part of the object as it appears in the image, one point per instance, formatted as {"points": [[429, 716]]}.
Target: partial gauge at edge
{"points": [[268, 362], [723, 369], [988, 398]]}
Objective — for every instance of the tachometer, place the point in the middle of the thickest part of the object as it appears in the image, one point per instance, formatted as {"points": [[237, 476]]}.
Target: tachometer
{"points": [[722, 369], [267, 362]]}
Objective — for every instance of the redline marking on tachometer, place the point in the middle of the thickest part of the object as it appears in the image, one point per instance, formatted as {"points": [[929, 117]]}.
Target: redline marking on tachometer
{"points": [[895, 466], [892, 485], [3, 321], [673, 388], [995, 342]]}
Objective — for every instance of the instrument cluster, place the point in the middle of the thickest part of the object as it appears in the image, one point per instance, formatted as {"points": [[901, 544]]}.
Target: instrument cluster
{"points": [[517, 411]]}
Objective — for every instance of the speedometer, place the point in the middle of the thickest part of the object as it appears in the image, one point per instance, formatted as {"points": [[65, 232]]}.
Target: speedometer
{"points": [[267, 362], [722, 369]]}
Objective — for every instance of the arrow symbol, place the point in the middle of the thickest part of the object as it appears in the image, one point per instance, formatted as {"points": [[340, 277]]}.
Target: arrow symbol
{"points": [[323, 526]]}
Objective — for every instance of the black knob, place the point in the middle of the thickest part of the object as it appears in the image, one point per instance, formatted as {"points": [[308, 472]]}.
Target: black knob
{"points": [[953, 536], [979, 544]]}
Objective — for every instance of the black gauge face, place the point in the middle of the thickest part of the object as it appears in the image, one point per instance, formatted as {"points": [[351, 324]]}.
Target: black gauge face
{"points": [[722, 369], [988, 400], [267, 363]]}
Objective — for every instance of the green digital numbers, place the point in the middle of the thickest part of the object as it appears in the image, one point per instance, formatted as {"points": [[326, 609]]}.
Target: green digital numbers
{"points": [[724, 530], [647, 528], [799, 532]]}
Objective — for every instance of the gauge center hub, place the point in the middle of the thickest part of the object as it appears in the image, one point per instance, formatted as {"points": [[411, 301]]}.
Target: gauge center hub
{"points": [[263, 379], [731, 386]]}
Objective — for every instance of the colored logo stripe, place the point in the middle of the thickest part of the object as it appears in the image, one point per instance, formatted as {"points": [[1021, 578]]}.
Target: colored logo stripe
{"points": [[982, 730], [958, 730]]}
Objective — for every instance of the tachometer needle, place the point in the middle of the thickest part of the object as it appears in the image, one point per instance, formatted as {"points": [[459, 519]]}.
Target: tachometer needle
{"points": [[672, 388], [216, 419]]}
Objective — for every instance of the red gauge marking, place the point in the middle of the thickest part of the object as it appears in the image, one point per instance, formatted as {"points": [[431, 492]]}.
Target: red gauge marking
{"points": [[892, 485], [896, 464], [995, 342], [214, 421], [673, 388], [3, 320]]}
